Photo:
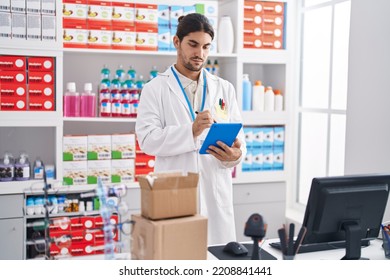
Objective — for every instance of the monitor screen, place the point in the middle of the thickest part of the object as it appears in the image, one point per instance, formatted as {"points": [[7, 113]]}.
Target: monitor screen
{"points": [[346, 208]]}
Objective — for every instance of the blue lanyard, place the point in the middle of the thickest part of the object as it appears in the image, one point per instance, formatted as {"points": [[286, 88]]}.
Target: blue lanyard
{"points": [[185, 95]]}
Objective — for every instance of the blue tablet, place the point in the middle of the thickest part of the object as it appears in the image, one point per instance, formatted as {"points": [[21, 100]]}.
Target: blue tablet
{"points": [[225, 132]]}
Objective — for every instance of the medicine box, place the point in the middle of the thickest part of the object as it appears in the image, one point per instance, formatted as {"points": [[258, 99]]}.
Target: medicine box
{"points": [[268, 159], [247, 161], [123, 146], [99, 147], [163, 15], [258, 138], [268, 137], [248, 134], [279, 136], [74, 148], [278, 158], [257, 159], [74, 172], [122, 170], [99, 168]]}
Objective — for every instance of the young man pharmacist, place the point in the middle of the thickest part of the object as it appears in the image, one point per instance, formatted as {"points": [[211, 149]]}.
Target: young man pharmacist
{"points": [[175, 111]]}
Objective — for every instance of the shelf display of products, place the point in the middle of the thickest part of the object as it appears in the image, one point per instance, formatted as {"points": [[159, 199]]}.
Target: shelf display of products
{"points": [[99, 24], [265, 148], [27, 83], [264, 25], [46, 130]]}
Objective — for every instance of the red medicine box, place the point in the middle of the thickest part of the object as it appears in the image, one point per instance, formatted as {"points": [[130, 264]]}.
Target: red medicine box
{"points": [[17, 77], [40, 64], [40, 91], [13, 103], [12, 90], [40, 77], [12, 63]]}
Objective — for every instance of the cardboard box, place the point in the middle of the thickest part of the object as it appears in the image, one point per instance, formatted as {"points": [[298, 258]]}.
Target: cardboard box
{"points": [[170, 239], [169, 195], [74, 148]]}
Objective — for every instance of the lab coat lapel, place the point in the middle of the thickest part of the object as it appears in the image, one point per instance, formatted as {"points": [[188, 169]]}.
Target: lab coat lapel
{"points": [[211, 90], [176, 90]]}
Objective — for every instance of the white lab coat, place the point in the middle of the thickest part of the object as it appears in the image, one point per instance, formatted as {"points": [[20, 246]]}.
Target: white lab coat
{"points": [[164, 129]]}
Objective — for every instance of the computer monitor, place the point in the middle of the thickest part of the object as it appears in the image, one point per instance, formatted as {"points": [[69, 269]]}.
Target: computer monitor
{"points": [[346, 208]]}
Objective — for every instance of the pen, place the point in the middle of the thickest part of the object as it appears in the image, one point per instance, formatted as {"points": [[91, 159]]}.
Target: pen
{"points": [[283, 241], [196, 112], [298, 242], [290, 249]]}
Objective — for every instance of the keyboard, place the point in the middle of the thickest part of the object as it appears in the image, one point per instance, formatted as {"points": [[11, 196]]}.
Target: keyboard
{"points": [[315, 247]]}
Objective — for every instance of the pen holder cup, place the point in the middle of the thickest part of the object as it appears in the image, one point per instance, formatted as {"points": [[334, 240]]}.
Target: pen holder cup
{"points": [[288, 257], [386, 244]]}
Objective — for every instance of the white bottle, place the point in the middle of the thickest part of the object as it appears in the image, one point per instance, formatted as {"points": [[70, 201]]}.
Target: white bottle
{"points": [[258, 97], [225, 42], [278, 100], [269, 100]]}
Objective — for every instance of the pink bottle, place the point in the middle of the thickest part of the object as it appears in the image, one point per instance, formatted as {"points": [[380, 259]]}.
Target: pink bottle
{"points": [[71, 101], [88, 102]]}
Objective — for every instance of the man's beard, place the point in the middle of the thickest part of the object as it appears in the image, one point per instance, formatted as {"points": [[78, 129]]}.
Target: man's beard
{"points": [[191, 67]]}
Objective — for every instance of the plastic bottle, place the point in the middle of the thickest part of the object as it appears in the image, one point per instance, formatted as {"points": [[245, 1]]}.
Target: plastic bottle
{"points": [[153, 72], [88, 102], [246, 93], [71, 101], [125, 105], [134, 101], [7, 168], [105, 102], [131, 73], [225, 43], [120, 73], [22, 168], [105, 76], [269, 99], [215, 70], [115, 103], [258, 96], [278, 100], [115, 83], [38, 169], [140, 83], [209, 66]]}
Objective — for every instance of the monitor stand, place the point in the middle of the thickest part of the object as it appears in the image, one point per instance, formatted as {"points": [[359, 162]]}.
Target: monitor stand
{"points": [[353, 241]]}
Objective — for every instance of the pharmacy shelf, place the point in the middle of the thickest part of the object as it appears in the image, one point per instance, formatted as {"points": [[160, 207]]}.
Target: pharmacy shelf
{"points": [[260, 177], [264, 118], [112, 120], [36, 187], [135, 52], [25, 118], [17, 45], [263, 56]]}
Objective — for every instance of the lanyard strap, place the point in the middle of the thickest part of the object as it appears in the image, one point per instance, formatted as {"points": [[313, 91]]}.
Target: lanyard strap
{"points": [[185, 95]]}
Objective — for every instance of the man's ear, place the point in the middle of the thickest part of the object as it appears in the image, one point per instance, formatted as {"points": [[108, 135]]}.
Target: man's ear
{"points": [[176, 41]]}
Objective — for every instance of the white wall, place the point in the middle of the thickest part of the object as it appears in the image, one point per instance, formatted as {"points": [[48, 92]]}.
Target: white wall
{"points": [[368, 112]]}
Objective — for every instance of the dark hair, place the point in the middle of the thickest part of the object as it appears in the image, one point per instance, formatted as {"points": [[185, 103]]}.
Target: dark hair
{"points": [[193, 23]]}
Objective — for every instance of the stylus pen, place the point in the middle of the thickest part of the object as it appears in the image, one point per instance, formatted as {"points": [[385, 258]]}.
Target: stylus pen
{"points": [[290, 249], [196, 112], [298, 242], [283, 240]]}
